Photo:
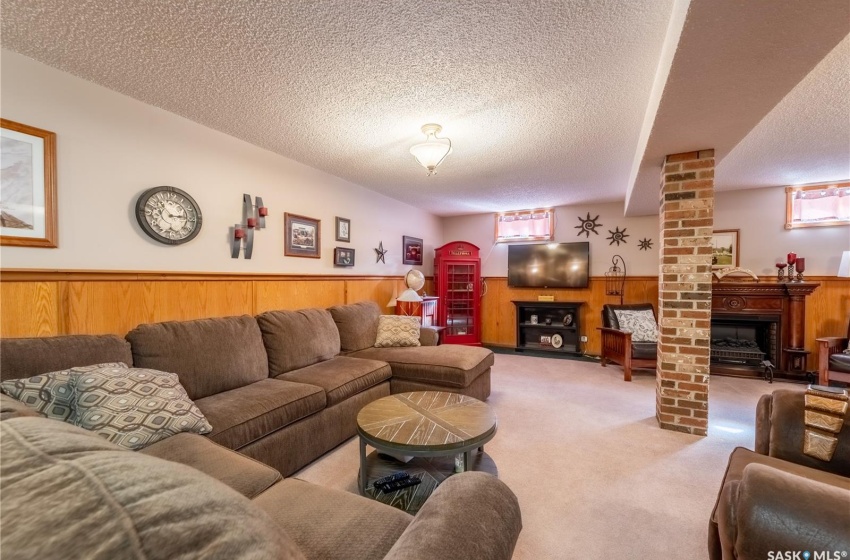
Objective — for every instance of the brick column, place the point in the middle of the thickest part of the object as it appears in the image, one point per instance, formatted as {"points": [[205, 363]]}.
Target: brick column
{"points": [[684, 294]]}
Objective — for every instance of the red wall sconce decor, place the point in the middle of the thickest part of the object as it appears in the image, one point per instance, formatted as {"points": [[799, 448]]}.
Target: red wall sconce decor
{"points": [[253, 218]]}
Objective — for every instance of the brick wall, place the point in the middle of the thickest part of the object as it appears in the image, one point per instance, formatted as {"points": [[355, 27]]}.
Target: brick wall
{"points": [[684, 296]]}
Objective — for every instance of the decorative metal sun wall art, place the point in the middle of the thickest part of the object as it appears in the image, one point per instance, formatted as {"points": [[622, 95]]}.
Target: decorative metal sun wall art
{"points": [[587, 225], [645, 244], [618, 236]]}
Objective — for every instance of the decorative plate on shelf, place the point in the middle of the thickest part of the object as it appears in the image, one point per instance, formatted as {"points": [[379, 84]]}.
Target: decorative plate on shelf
{"points": [[568, 319], [557, 341]]}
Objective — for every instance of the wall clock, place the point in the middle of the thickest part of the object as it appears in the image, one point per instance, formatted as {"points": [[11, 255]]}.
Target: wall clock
{"points": [[168, 215]]}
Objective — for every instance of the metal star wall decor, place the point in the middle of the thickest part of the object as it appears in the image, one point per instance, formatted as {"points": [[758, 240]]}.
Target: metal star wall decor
{"points": [[645, 244], [587, 225], [380, 253], [617, 236]]}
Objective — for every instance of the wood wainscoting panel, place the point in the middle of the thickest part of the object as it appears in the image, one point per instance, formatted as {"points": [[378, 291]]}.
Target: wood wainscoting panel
{"points": [[30, 309], [498, 314], [108, 307], [827, 313], [378, 290], [183, 301], [298, 294]]}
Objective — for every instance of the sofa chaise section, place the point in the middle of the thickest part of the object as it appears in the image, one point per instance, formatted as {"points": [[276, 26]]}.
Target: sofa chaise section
{"points": [[449, 367]]}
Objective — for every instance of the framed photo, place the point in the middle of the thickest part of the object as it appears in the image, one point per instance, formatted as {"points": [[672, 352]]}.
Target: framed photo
{"points": [[411, 249], [28, 186], [725, 248], [302, 236], [343, 229], [343, 256]]}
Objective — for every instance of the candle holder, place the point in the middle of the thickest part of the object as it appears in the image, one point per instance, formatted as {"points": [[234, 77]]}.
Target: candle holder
{"points": [[780, 271], [791, 272], [801, 268], [253, 218]]}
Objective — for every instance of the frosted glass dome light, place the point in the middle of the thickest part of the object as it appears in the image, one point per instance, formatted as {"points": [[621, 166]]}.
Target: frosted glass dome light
{"points": [[433, 150]]}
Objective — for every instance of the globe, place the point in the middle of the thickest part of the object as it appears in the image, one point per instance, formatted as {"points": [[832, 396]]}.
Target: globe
{"points": [[414, 279]]}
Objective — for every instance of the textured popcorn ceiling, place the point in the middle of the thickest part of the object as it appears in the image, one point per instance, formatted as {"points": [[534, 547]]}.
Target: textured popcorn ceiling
{"points": [[735, 63], [542, 100], [804, 139], [545, 101]]}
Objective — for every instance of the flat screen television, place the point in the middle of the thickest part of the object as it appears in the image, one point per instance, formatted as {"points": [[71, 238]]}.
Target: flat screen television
{"points": [[549, 265]]}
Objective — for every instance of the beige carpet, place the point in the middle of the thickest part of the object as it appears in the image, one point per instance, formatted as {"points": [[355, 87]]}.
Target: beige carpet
{"points": [[595, 476]]}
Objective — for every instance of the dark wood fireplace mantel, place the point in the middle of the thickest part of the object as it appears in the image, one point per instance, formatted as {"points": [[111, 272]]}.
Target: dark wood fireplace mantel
{"points": [[784, 302]]}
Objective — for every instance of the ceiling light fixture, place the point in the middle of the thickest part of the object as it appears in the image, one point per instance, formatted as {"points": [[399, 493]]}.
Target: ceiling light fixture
{"points": [[433, 150]]}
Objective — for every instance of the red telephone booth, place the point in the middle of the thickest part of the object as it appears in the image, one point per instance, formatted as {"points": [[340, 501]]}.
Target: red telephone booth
{"points": [[457, 278]]}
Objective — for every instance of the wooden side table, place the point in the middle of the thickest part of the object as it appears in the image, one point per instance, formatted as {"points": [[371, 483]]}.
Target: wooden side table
{"points": [[797, 358]]}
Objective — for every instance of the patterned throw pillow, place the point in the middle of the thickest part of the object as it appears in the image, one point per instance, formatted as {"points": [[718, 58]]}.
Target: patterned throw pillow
{"points": [[51, 393], [641, 323], [397, 330], [135, 407]]}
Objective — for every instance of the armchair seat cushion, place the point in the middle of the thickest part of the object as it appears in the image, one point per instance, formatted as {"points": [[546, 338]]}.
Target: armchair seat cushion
{"points": [[644, 350], [840, 362], [341, 377], [244, 415]]}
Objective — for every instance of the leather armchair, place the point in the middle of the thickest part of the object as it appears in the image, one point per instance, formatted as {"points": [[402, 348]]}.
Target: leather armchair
{"points": [[776, 498], [617, 345], [833, 363]]}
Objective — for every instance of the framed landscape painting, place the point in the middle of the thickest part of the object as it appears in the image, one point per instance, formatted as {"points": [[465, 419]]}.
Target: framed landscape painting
{"points": [[27, 186], [302, 237], [725, 248]]}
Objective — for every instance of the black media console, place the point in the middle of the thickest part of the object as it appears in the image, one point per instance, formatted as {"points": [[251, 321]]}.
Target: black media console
{"points": [[548, 326]]}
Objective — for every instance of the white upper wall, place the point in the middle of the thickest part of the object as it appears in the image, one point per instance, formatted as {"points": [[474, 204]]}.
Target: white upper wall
{"points": [[759, 214], [480, 230], [111, 148]]}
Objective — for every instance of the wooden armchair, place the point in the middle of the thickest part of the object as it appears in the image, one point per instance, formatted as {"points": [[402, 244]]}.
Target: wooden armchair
{"points": [[617, 345], [833, 364]]}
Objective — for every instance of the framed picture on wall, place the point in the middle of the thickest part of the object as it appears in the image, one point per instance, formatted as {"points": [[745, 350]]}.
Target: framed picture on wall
{"points": [[343, 256], [28, 186], [302, 236], [343, 229], [725, 248], [411, 249]]}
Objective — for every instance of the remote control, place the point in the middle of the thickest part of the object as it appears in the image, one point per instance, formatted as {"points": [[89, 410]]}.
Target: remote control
{"points": [[399, 484], [401, 475]]}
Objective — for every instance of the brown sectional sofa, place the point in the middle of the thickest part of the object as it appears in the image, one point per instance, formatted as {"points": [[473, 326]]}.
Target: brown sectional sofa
{"points": [[282, 389]]}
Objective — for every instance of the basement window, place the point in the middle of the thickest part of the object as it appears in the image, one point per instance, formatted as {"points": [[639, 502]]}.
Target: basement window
{"points": [[817, 205], [525, 225]]}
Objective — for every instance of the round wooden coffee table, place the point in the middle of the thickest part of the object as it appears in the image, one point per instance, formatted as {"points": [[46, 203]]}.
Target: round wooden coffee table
{"points": [[443, 432]]}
